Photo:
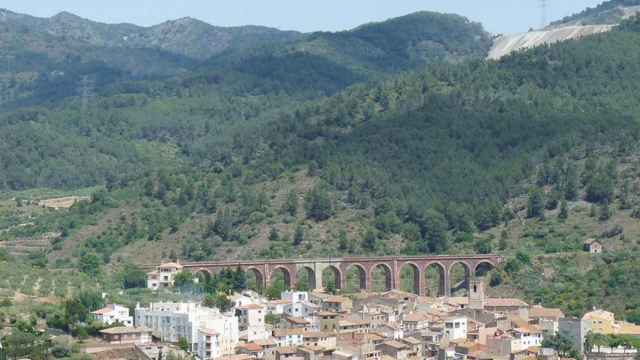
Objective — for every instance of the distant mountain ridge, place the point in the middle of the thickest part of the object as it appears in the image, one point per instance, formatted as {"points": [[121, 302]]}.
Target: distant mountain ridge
{"points": [[49, 56], [188, 37]]}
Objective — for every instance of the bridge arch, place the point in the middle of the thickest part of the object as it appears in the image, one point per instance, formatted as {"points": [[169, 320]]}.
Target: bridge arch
{"points": [[409, 276], [202, 276], [255, 278], [355, 274], [283, 273], [381, 277], [459, 278], [482, 268], [434, 275], [332, 276], [306, 279]]}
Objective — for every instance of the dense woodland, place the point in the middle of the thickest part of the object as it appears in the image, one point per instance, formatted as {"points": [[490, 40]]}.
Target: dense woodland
{"points": [[399, 129]]}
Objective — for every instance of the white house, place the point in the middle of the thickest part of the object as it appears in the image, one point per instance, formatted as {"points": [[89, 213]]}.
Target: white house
{"points": [[251, 319], [455, 327], [163, 276], [524, 338], [295, 296], [172, 321], [288, 337], [114, 313], [303, 309], [276, 307], [208, 344]]}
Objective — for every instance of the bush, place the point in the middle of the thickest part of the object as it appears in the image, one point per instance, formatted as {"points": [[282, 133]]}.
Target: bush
{"points": [[612, 232]]}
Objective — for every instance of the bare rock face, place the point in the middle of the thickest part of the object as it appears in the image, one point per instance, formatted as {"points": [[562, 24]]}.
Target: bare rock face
{"points": [[506, 44], [591, 21]]}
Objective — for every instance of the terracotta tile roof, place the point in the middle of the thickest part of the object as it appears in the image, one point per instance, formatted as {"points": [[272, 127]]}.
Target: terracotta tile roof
{"points": [[391, 325], [237, 357], [297, 320], [251, 347], [414, 317], [209, 331], [395, 344], [251, 307], [354, 322], [626, 328], [125, 330], [326, 313], [412, 340], [265, 342], [317, 334], [105, 310], [505, 302], [528, 329], [538, 311], [171, 265], [458, 300], [279, 302], [287, 350], [373, 337]]}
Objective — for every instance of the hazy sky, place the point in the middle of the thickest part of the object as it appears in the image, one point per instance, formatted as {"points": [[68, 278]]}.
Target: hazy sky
{"points": [[303, 15]]}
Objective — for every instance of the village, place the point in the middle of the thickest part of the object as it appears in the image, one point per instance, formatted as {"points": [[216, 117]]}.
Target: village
{"points": [[318, 325]]}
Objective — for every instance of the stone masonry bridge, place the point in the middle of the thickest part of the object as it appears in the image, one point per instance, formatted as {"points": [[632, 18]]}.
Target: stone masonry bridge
{"points": [[294, 270]]}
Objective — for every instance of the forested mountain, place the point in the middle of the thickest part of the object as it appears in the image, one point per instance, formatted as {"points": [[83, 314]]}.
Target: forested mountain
{"points": [[184, 37], [122, 119], [394, 137], [47, 58]]}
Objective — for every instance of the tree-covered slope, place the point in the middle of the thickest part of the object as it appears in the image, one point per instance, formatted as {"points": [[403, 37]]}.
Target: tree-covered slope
{"points": [[142, 99]]}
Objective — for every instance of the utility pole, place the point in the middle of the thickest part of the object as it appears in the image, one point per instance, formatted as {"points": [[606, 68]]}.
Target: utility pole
{"points": [[544, 15], [6, 83], [86, 91]]}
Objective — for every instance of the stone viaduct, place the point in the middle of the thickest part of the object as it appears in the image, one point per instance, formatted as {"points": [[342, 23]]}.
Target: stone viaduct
{"points": [[293, 270]]}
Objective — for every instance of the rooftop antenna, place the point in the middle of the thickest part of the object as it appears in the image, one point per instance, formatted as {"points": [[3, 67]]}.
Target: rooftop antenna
{"points": [[543, 16]]}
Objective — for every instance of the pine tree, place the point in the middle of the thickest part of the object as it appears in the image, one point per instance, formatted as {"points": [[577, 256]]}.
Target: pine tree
{"points": [[273, 234], [291, 205], [604, 213], [343, 241], [502, 243], [318, 204], [625, 195], [535, 205], [571, 185], [564, 210], [369, 242], [298, 237]]}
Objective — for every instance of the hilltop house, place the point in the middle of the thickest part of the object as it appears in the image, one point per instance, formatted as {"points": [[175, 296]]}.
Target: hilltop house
{"points": [[163, 276], [593, 246], [112, 314]]}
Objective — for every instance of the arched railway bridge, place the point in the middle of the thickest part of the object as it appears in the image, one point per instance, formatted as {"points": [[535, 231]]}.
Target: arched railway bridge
{"points": [[314, 270]]}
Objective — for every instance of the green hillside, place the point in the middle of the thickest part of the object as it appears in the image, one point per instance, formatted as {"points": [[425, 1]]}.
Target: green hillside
{"points": [[392, 138]]}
